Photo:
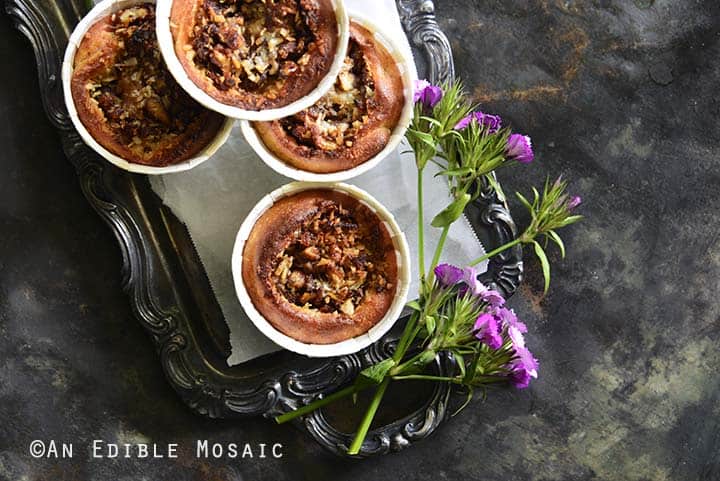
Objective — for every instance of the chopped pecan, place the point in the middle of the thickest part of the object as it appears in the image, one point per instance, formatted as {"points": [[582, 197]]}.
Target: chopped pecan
{"points": [[335, 120], [328, 265], [264, 40], [137, 95]]}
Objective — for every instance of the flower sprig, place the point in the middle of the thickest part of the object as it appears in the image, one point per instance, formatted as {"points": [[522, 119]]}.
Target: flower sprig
{"points": [[455, 313], [549, 211], [438, 109]]}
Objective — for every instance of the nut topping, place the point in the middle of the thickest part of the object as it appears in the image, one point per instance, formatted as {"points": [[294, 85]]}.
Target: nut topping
{"points": [[141, 102], [251, 44], [329, 263], [336, 119]]}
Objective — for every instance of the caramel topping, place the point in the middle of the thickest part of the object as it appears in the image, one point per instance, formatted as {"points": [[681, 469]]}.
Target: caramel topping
{"points": [[329, 263], [335, 120], [140, 100]]}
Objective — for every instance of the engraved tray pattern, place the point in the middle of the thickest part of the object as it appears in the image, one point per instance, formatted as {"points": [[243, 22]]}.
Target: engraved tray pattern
{"points": [[169, 291]]}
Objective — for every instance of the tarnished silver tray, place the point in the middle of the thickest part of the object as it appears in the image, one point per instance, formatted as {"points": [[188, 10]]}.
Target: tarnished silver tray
{"points": [[172, 298]]}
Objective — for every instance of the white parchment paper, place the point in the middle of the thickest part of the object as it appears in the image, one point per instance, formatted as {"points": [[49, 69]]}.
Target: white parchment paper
{"points": [[214, 198]]}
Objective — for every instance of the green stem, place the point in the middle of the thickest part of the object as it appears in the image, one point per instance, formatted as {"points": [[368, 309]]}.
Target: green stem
{"points": [[496, 251], [402, 347], [407, 337], [368, 418], [401, 367], [289, 416], [421, 230], [438, 252], [425, 377]]}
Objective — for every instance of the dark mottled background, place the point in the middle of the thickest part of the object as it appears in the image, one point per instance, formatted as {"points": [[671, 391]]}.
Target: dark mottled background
{"points": [[619, 96]]}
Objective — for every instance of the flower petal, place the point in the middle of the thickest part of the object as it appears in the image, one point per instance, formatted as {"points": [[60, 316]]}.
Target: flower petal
{"points": [[520, 378], [448, 274], [490, 122], [516, 337], [509, 317], [527, 361], [519, 147], [431, 96], [492, 297], [420, 86], [469, 278], [486, 328]]}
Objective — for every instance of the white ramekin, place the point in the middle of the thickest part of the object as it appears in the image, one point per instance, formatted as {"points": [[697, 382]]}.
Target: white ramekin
{"points": [[406, 66], [347, 346], [167, 48], [101, 10]]}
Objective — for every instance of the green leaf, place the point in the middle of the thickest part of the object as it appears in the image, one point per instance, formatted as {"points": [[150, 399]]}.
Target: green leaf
{"points": [[455, 172], [540, 253], [525, 202], [496, 186], [460, 362], [375, 373], [467, 400], [452, 212], [431, 120], [474, 367], [430, 325], [571, 220], [414, 305], [556, 238], [425, 138]]}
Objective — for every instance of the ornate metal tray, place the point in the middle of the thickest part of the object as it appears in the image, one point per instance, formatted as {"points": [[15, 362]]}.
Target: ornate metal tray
{"points": [[169, 291]]}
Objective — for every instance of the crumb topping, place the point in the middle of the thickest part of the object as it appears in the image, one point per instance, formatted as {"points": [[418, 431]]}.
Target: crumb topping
{"points": [[142, 103], [329, 264], [252, 45], [335, 120]]}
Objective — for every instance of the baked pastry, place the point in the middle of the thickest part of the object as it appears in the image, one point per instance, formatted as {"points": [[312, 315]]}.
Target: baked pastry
{"points": [[255, 54], [126, 98], [320, 266], [353, 122]]}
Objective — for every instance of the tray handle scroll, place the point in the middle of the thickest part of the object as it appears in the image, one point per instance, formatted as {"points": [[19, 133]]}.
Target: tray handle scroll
{"points": [[420, 24]]}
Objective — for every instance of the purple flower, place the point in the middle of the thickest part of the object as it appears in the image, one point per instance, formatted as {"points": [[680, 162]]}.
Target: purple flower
{"points": [[574, 202], [429, 95], [486, 329], [523, 367], [490, 122], [448, 275], [520, 378], [469, 278], [492, 297], [525, 360], [516, 337], [420, 86], [478, 289], [471, 282], [519, 147], [510, 319]]}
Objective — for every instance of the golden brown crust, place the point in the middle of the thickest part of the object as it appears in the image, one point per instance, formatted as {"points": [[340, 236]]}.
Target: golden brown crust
{"points": [[296, 140], [299, 294], [150, 122], [214, 38]]}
